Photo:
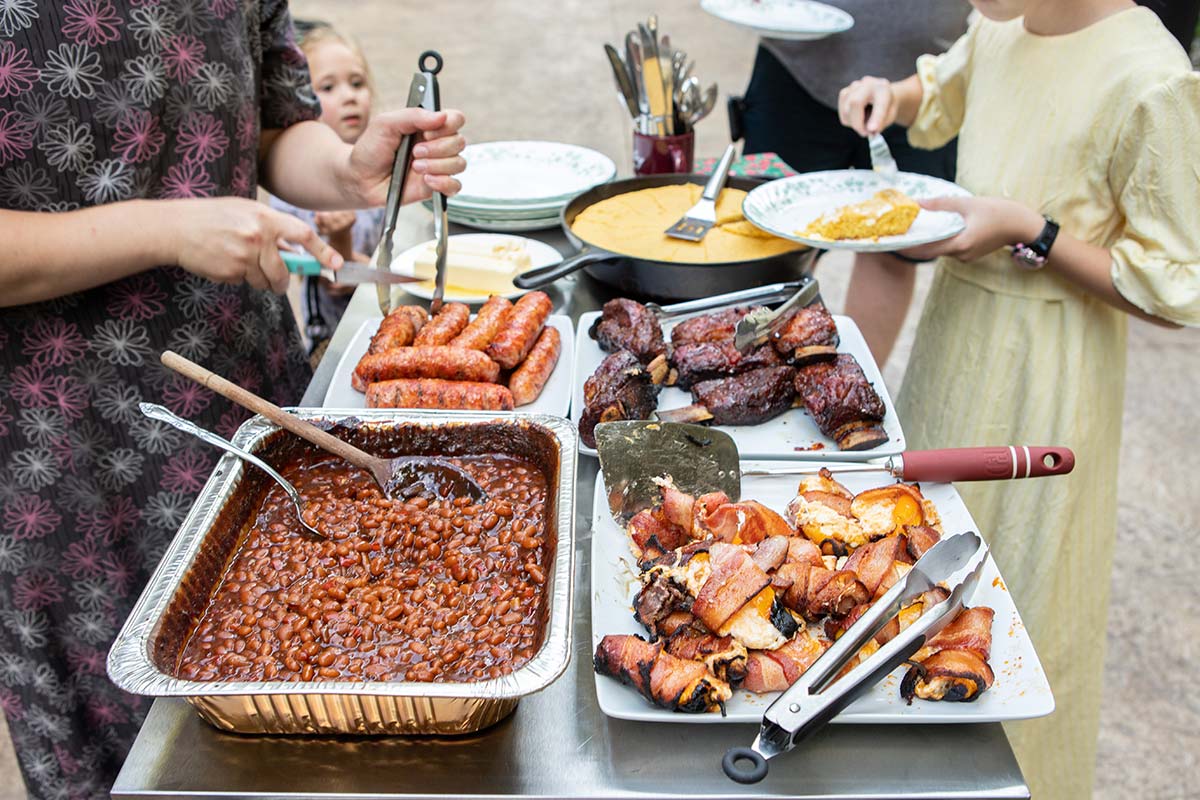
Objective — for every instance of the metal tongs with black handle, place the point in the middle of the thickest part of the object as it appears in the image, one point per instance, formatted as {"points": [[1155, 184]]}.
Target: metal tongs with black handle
{"points": [[819, 695], [422, 93]]}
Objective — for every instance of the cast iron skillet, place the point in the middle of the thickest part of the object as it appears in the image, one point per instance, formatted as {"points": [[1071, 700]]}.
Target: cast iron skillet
{"points": [[645, 277]]}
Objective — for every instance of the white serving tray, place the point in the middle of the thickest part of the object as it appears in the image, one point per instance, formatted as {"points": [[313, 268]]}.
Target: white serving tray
{"points": [[555, 397], [1021, 690], [790, 435]]}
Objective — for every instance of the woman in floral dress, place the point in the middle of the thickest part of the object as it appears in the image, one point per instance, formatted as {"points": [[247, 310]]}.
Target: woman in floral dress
{"points": [[132, 136]]}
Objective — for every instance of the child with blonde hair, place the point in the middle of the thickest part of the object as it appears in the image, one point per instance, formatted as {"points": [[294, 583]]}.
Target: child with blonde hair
{"points": [[342, 81], [1078, 125]]}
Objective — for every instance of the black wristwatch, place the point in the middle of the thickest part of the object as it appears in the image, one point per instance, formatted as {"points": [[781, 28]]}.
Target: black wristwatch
{"points": [[1034, 255]]}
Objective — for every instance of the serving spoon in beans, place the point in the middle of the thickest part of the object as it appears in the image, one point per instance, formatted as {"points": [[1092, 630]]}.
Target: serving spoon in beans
{"points": [[162, 414], [400, 478]]}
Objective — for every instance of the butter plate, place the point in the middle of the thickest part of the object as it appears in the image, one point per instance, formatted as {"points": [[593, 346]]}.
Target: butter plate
{"points": [[540, 255]]}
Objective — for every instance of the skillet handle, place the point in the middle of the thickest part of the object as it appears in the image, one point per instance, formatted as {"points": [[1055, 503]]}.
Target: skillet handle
{"points": [[541, 276]]}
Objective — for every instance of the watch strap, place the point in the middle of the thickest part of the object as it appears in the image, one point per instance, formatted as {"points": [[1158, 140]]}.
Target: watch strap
{"points": [[1035, 254]]}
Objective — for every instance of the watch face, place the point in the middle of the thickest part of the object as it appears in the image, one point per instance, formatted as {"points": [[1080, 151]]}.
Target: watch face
{"points": [[1025, 257]]}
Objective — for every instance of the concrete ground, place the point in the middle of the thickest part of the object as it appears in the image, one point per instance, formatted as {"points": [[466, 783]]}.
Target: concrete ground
{"points": [[535, 69]]}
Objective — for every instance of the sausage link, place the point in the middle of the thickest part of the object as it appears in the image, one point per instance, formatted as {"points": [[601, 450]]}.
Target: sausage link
{"points": [[528, 380], [395, 331], [448, 323], [448, 363], [417, 314], [479, 334], [434, 393], [520, 330]]}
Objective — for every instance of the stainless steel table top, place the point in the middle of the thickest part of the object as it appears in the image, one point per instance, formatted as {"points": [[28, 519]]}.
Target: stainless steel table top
{"points": [[558, 743]]}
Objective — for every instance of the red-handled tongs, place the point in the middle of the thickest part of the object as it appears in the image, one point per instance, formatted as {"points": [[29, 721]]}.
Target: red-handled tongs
{"points": [[953, 563], [422, 93]]}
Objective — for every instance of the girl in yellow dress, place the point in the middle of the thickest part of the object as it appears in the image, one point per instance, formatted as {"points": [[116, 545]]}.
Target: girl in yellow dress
{"points": [[1081, 116]]}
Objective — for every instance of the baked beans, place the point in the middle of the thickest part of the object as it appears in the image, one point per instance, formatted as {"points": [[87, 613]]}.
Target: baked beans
{"points": [[423, 589]]}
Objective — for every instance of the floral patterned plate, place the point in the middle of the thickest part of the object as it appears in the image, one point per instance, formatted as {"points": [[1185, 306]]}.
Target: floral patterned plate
{"points": [[529, 175], [786, 206], [797, 20]]}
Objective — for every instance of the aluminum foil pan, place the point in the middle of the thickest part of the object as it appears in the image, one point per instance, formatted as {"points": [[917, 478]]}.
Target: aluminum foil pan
{"points": [[143, 656]]}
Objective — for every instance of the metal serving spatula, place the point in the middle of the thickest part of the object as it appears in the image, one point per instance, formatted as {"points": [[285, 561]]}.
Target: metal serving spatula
{"points": [[634, 454], [701, 217]]}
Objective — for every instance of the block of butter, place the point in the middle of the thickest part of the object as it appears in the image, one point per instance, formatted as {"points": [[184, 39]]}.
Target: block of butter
{"points": [[474, 265]]}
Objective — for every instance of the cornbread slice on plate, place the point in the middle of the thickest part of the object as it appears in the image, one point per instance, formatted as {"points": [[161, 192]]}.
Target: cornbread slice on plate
{"points": [[889, 212]]}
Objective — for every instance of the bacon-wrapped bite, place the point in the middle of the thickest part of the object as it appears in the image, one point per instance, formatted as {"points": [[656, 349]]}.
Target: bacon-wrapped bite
{"points": [[666, 681], [814, 591], [724, 656], [733, 582], [958, 676], [776, 670], [659, 600], [880, 564], [651, 536], [771, 552], [953, 665], [970, 630], [920, 538], [747, 522]]}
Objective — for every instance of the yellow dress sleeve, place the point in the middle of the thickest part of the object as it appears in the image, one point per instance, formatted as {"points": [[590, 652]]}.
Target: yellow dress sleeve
{"points": [[944, 85], [1156, 180]]}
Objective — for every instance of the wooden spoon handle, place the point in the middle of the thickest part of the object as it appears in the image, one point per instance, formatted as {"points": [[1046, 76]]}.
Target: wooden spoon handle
{"points": [[249, 400]]}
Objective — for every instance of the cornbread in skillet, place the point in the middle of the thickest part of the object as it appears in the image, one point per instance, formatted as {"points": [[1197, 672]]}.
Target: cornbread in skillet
{"points": [[634, 224]]}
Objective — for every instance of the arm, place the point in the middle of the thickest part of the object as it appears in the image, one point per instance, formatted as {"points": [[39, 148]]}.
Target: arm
{"points": [[996, 222], [114, 241], [336, 175], [227, 239]]}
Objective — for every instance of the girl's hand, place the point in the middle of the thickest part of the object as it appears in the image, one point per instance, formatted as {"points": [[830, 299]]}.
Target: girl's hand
{"points": [[232, 239], [435, 160], [331, 223], [868, 105], [992, 223]]}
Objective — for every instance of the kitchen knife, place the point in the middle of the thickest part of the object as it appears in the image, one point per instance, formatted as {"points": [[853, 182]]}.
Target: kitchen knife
{"points": [[351, 273], [624, 83]]}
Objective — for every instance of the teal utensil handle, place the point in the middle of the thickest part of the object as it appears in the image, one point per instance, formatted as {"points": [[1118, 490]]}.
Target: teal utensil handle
{"points": [[301, 263]]}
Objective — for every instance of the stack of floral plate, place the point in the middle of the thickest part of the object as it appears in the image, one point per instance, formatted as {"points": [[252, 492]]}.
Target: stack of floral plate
{"points": [[523, 186]]}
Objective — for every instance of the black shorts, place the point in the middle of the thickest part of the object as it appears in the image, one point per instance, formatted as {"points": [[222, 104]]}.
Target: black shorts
{"points": [[779, 116]]}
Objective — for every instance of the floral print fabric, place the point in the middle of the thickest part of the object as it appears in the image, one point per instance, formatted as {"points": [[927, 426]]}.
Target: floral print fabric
{"points": [[103, 101]]}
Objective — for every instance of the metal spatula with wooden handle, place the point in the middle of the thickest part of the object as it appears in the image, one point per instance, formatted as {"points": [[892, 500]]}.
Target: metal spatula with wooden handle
{"points": [[634, 454]]}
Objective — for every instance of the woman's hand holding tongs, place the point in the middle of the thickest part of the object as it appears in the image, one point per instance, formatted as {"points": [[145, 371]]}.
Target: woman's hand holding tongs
{"points": [[436, 160]]}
